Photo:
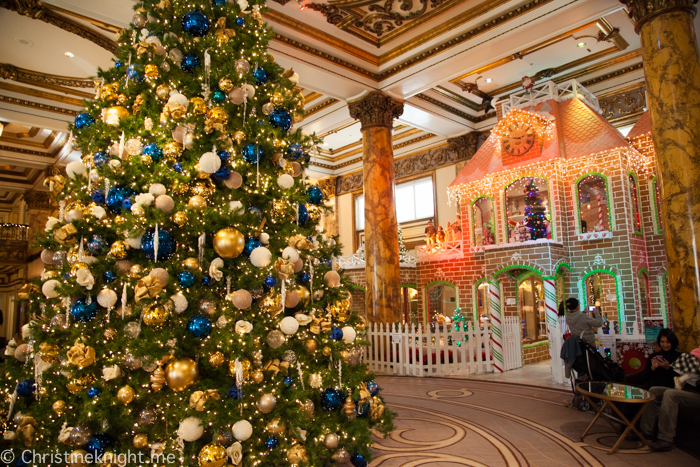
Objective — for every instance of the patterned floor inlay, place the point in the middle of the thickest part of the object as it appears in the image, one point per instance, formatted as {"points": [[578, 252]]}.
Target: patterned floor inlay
{"points": [[450, 422]]}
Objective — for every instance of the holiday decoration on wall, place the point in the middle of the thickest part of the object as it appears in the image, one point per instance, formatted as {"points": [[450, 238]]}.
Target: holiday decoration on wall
{"points": [[183, 298], [535, 212]]}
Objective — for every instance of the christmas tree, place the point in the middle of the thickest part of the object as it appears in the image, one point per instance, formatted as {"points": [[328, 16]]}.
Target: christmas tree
{"points": [[403, 250], [534, 212], [189, 309]]}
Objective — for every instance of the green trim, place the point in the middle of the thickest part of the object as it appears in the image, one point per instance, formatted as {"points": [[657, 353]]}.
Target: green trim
{"points": [[584, 299], [645, 271], [493, 214], [518, 283], [657, 210], [475, 289], [553, 223], [413, 286], [577, 211], [642, 270], [661, 279], [515, 266], [562, 263], [359, 287], [639, 205], [536, 344], [425, 297], [527, 274]]}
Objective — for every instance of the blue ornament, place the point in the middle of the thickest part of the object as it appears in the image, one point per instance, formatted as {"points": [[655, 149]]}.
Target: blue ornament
{"points": [[66, 276], [281, 118], [152, 149], [261, 122], [94, 392], [177, 167], [303, 216], [240, 22], [373, 387], [250, 245], [270, 281], [116, 195], [219, 2], [199, 326], [25, 455], [222, 174], [218, 96], [185, 279], [307, 157], [234, 393], [98, 196], [315, 195], [361, 409], [294, 151], [135, 73], [255, 210], [251, 153], [195, 23], [260, 75], [358, 460], [82, 312], [331, 398], [109, 277], [288, 381], [304, 277], [272, 442], [327, 262], [26, 388], [166, 244], [190, 62], [118, 64], [224, 156], [97, 245], [100, 158], [336, 333], [206, 280], [126, 203], [83, 120], [99, 443]]}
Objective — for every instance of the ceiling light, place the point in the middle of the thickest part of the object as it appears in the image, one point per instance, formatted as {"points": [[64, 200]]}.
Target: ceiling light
{"points": [[2, 127], [488, 80], [581, 44], [69, 54], [325, 144]]}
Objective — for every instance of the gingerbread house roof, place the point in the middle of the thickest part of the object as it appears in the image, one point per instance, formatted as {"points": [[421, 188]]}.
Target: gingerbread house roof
{"points": [[642, 127], [583, 130]]}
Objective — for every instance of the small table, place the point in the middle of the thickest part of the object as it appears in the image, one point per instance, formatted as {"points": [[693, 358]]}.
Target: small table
{"points": [[614, 392]]}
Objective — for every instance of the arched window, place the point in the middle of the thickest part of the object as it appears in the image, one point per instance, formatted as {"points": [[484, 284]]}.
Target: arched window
{"points": [[528, 215], [482, 304], [601, 288], [483, 222], [656, 198], [532, 311], [593, 204], [409, 303], [644, 293], [440, 300], [634, 198]]}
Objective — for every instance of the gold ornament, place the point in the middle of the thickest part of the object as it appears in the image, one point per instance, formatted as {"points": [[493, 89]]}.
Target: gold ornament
{"points": [[239, 136], [304, 295], [172, 150], [199, 106], [225, 84], [216, 119], [326, 351], [147, 287], [204, 188], [140, 441], [138, 102], [216, 359], [268, 108], [151, 71], [145, 160], [180, 218], [136, 271], [245, 364], [66, 234], [81, 355], [110, 334], [297, 454], [118, 249], [76, 385], [277, 99], [136, 209], [163, 91], [78, 458], [119, 220], [77, 267], [222, 32], [349, 406], [229, 243], [110, 459], [212, 455], [258, 376], [297, 117], [126, 395], [311, 346], [157, 379], [155, 315], [122, 99], [197, 202], [173, 109], [49, 353], [345, 356], [58, 407], [199, 398], [109, 92], [191, 263], [115, 114], [276, 426], [182, 373], [56, 183], [308, 407], [377, 409]]}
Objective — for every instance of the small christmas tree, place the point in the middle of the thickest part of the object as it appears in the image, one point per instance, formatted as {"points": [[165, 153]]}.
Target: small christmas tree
{"points": [[534, 212], [403, 251]]}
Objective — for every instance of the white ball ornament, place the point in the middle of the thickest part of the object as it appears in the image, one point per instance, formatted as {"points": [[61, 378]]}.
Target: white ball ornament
{"points": [[349, 334], [242, 430], [98, 212], [249, 90], [179, 98], [332, 279], [290, 254], [289, 325], [22, 351], [242, 299], [179, 303], [190, 429], [76, 168], [260, 257], [161, 274], [165, 204], [107, 298], [209, 162], [264, 238], [144, 199], [267, 402], [157, 189], [235, 207], [123, 265], [48, 288], [285, 181], [135, 242], [74, 215]]}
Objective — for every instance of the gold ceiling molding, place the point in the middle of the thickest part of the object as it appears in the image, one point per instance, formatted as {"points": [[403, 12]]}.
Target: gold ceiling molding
{"points": [[39, 106], [43, 80], [614, 74], [312, 97], [29, 152], [321, 106], [36, 10], [454, 111], [33, 131], [43, 145], [395, 137], [395, 146], [41, 94], [459, 99], [100, 24], [623, 89]]}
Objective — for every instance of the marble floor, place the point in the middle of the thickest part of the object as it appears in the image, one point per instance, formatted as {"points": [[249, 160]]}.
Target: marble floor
{"points": [[517, 419]]}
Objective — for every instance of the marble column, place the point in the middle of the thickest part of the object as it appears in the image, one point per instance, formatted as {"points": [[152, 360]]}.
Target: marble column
{"points": [[376, 113], [672, 69]]}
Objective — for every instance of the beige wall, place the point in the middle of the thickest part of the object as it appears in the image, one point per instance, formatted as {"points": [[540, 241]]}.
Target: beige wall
{"points": [[445, 213], [345, 222]]}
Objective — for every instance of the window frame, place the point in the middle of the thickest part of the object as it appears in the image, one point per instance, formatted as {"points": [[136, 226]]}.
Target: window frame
{"points": [[472, 219], [577, 205], [504, 195], [638, 200], [530, 276], [656, 217]]}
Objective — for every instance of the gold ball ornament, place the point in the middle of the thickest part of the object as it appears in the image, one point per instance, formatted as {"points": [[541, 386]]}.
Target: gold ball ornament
{"points": [[119, 220], [163, 91], [118, 249], [191, 263], [145, 160], [199, 106], [267, 402], [308, 407], [155, 315], [180, 218], [77, 267], [110, 459], [327, 351], [217, 115], [136, 271], [216, 359], [212, 455], [122, 99], [110, 333], [226, 85], [116, 114], [245, 364], [182, 373], [136, 209], [151, 71], [331, 440], [311, 346], [258, 376], [276, 426], [78, 458], [297, 454], [304, 295], [58, 407], [197, 202], [126, 395], [109, 92], [239, 136], [268, 108], [277, 98], [140, 441], [229, 243], [172, 150]]}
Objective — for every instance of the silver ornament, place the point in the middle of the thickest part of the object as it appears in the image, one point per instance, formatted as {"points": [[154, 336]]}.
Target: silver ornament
{"points": [[331, 441], [290, 356]]}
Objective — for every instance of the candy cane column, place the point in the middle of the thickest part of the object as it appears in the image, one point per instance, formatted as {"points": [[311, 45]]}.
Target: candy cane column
{"points": [[554, 330], [496, 325]]}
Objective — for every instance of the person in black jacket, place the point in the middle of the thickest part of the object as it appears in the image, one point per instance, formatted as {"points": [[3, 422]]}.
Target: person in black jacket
{"points": [[658, 371]]}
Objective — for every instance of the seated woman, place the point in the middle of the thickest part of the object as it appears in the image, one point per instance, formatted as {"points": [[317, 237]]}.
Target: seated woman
{"points": [[658, 371]]}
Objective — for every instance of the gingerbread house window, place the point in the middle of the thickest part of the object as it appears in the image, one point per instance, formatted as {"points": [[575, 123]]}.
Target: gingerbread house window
{"points": [[656, 198], [593, 204], [483, 222], [531, 295], [634, 198], [483, 313], [528, 215]]}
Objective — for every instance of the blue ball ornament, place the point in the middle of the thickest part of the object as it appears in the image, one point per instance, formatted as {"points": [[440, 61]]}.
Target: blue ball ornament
{"points": [[362, 409], [26, 388], [100, 158], [177, 167], [240, 21], [373, 387], [218, 96], [109, 276], [304, 277], [199, 326], [270, 281], [315, 195], [66, 276], [272, 442], [25, 455], [331, 398], [94, 392], [336, 333], [135, 73], [185, 279], [306, 157], [98, 196], [195, 23], [224, 156], [222, 174], [260, 76], [251, 153], [83, 120], [219, 2], [281, 118], [303, 216], [255, 210], [250, 245], [294, 151], [166, 244], [126, 203], [235, 393], [83, 312], [206, 280], [358, 460], [97, 245], [327, 262], [118, 64], [152, 150], [116, 195], [190, 62], [288, 381], [99, 443]]}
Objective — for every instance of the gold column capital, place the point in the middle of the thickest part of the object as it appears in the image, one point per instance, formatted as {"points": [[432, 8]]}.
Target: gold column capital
{"points": [[376, 109], [37, 199], [641, 11]]}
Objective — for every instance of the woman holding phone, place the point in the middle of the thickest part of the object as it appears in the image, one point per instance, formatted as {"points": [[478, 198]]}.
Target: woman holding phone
{"points": [[658, 371]]}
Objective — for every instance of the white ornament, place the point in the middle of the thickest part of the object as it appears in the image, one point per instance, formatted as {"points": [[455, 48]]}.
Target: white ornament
{"points": [[135, 242], [26, 332], [285, 181], [316, 380], [179, 302], [260, 257], [190, 429], [48, 288], [107, 298], [51, 223], [75, 169], [98, 212], [157, 189], [249, 90], [144, 199], [241, 299], [303, 319], [215, 269], [85, 278], [349, 334], [221, 322], [294, 78], [165, 204], [74, 215], [115, 164], [177, 97], [243, 327], [235, 453], [161, 274], [289, 325], [111, 372], [209, 162], [264, 238], [236, 207], [242, 430], [290, 254]]}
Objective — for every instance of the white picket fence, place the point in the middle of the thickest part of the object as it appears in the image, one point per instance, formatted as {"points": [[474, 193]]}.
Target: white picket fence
{"points": [[512, 341], [406, 349]]}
